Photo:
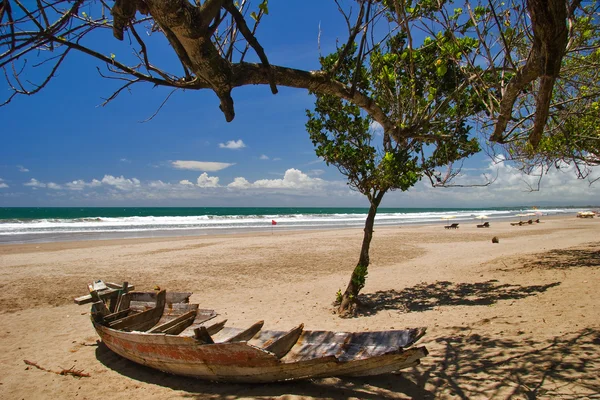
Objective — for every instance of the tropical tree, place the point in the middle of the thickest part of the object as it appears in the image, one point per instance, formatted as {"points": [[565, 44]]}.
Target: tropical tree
{"points": [[417, 89]]}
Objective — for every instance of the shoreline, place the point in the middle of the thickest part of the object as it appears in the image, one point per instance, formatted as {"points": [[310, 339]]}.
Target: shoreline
{"points": [[501, 318], [41, 238]]}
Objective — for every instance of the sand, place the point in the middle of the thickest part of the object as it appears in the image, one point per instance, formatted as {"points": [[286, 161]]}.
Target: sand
{"points": [[517, 319]]}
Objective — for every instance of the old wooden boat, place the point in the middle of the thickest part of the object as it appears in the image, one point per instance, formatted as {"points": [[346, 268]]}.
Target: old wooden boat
{"points": [[163, 330]]}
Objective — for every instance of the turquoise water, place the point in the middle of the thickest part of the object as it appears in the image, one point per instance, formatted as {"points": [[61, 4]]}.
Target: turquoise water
{"points": [[43, 224], [37, 213]]}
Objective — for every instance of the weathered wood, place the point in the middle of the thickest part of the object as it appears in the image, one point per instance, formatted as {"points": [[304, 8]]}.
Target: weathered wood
{"points": [[125, 301], [97, 286], [179, 327], [165, 326], [104, 290], [104, 294], [172, 312], [113, 285], [246, 334], [172, 297], [202, 317], [144, 320], [99, 311], [120, 296], [202, 335], [230, 354], [282, 346], [117, 315], [214, 328], [175, 307]]}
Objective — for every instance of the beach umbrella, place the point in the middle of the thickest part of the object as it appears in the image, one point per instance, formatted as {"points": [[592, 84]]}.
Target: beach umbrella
{"points": [[481, 217]]}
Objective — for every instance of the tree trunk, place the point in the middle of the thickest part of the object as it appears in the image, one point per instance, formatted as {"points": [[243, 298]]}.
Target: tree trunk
{"points": [[357, 280]]}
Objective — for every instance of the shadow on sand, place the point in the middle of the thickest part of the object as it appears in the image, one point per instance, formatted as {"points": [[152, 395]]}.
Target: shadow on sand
{"points": [[567, 258], [423, 297], [465, 366]]}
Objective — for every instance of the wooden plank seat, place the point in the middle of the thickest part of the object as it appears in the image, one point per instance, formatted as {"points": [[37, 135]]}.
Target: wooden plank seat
{"points": [[175, 325], [144, 320]]}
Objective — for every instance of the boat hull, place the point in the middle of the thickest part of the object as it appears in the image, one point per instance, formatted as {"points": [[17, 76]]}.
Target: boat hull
{"points": [[240, 361]]}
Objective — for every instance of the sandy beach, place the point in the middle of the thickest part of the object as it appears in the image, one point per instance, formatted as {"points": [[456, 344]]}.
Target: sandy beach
{"points": [[516, 319]]}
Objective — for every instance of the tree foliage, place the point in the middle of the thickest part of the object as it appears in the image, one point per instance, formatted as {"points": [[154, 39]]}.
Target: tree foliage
{"points": [[417, 89], [519, 52]]}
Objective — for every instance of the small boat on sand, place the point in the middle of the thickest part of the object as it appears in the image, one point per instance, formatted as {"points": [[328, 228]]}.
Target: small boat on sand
{"points": [[162, 330]]}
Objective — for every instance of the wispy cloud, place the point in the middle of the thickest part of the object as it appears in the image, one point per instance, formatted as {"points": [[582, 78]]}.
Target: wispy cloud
{"points": [[201, 165], [232, 145], [2, 184], [319, 160], [22, 168], [125, 160], [81, 184], [35, 184], [263, 157]]}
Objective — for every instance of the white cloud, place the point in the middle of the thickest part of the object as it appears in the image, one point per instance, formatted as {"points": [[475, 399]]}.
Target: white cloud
{"points": [[121, 182], [200, 165], [158, 184], [240, 183], [186, 182], [2, 184], [22, 168], [263, 157], [293, 179], [53, 186], [125, 160], [316, 172], [232, 145], [34, 183], [81, 184], [205, 181], [510, 188]]}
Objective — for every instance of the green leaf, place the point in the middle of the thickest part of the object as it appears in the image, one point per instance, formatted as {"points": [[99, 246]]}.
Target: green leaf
{"points": [[441, 70], [264, 7], [253, 16]]}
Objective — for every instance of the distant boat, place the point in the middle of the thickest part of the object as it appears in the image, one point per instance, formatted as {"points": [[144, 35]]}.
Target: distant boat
{"points": [[164, 331]]}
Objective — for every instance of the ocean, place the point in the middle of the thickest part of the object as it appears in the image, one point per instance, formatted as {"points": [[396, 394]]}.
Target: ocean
{"points": [[51, 224]]}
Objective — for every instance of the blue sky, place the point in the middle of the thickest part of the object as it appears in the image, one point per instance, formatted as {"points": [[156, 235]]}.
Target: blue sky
{"points": [[60, 148]]}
